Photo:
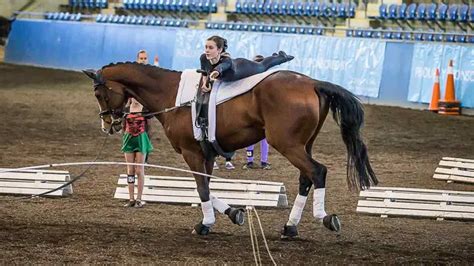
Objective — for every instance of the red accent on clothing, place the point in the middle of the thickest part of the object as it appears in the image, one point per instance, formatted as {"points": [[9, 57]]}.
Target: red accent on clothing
{"points": [[135, 124]]}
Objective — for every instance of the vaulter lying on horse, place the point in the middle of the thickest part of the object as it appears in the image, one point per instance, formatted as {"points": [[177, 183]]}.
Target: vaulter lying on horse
{"points": [[286, 107]]}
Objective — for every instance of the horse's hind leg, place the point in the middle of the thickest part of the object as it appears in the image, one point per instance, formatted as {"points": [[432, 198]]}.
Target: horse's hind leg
{"points": [[311, 172]]}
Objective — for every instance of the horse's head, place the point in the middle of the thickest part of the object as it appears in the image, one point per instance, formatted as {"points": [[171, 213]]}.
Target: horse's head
{"points": [[112, 98]]}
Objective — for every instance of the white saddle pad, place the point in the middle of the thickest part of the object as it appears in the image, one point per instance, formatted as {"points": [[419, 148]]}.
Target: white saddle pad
{"points": [[221, 92]]}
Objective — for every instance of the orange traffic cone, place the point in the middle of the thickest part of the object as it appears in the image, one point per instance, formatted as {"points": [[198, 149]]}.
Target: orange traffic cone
{"points": [[449, 105], [436, 94]]}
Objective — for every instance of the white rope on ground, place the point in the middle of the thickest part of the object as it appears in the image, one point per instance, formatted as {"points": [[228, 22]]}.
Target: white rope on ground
{"points": [[249, 218], [264, 238]]}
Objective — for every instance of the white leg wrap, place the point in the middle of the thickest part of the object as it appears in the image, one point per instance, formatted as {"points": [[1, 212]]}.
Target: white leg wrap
{"points": [[208, 213], [218, 204], [297, 210], [318, 203]]}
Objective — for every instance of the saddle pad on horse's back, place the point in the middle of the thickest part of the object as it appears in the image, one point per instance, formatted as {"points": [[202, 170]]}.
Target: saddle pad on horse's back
{"points": [[225, 90], [221, 92]]}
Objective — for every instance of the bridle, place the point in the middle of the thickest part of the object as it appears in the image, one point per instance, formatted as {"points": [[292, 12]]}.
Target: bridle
{"points": [[116, 115]]}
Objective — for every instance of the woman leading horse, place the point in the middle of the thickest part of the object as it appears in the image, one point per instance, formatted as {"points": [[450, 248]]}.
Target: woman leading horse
{"points": [[287, 108]]}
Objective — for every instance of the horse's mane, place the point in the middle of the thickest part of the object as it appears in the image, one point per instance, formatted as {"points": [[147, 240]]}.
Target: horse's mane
{"points": [[146, 67]]}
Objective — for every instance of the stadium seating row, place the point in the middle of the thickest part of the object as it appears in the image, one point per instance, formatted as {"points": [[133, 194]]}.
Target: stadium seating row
{"points": [[266, 28], [295, 8], [204, 6], [431, 12], [407, 35], [89, 3], [63, 16], [141, 20]]}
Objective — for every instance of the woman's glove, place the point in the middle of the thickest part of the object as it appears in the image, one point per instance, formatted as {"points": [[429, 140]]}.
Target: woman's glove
{"points": [[214, 75]]}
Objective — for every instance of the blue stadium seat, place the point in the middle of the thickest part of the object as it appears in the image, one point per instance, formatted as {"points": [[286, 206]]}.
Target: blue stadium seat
{"points": [[342, 11], [442, 12], [471, 15], [126, 4], [259, 9], [245, 9], [463, 12], [292, 30], [450, 38], [393, 11], [267, 7], [284, 29], [98, 18], [470, 39], [115, 19], [253, 27], [48, 15], [60, 16], [411, 12], [300, 8], [460, 38], [291, 9], [402, 11], [301, 30], [421, 12], [383, 11], [359, 33], [316, 12], [238, 7], [237, 26], [428, 37], [261, 28], [453, 12], [230, 26], [308, 8], [319, 31], [351, 10], [387, 35], [418, 36], [208, 25], [407, 35], [268, 28], [377, 34], [309, 31], [275, 8], [349, 33], [438, 37], [283, 10], [431, 12], [367, 34], [397, 35]]}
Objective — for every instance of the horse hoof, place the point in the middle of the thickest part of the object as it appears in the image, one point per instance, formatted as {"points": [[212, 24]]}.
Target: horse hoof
{"points": [[237, 216], [289, 232], [332, 223], [201, 229]]}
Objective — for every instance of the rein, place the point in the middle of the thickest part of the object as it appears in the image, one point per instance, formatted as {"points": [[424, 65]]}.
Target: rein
{"points": [[166, 110]]}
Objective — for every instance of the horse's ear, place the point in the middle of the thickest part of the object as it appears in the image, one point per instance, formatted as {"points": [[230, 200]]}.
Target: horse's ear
{"points": [[91, 73]]}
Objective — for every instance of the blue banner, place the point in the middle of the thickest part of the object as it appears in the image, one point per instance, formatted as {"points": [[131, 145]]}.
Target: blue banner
{"points": [[355, 64], [428, 57]]}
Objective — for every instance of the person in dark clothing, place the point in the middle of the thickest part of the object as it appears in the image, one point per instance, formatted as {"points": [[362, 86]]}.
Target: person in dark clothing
{"points": [[220, 66]]}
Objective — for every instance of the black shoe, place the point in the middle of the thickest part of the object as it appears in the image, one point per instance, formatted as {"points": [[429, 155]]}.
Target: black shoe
{"points": [[287, 57], [250, 165], [265, 166]]}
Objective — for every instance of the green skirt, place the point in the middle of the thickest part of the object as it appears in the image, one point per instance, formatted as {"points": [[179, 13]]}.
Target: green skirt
{"points": [[140, 143]]}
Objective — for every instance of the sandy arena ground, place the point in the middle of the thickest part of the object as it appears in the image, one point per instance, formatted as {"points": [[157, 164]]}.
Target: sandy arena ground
{"points": [[50, 116]]}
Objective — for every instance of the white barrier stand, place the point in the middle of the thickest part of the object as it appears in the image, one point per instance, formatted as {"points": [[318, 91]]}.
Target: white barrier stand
{"points": [[170, 189], [455, 170], [32, 182], [439, 204]]}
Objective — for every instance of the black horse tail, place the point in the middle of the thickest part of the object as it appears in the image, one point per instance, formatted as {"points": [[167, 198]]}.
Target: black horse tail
{"points": [[348, 113]]}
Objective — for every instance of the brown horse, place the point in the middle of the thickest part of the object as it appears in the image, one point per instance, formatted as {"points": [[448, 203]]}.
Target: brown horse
{"points": [[287, 108]]}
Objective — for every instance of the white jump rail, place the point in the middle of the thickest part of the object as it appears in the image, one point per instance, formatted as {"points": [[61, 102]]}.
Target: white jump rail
{"points": [[170, 189], [32, 182], [455, 170], [439, 204]]}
